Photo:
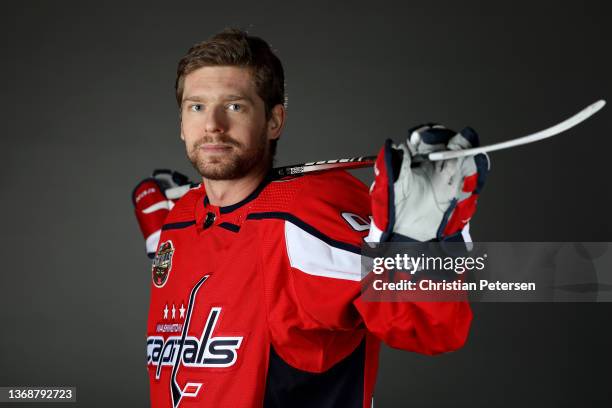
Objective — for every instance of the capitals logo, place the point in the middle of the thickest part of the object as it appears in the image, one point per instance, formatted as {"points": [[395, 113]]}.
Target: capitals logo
{"points": [[162, 263], [191, 351]]}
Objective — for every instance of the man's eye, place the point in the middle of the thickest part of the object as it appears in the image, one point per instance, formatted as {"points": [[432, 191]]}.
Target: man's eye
{"points": [[196, 107], [234, 107]]}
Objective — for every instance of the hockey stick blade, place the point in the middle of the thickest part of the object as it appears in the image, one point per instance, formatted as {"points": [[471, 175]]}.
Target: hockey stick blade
{"points": [[534, 137], [368, 161]]}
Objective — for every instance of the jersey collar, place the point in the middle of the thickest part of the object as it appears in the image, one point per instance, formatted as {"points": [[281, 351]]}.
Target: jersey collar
{"points": [[229, 212]]}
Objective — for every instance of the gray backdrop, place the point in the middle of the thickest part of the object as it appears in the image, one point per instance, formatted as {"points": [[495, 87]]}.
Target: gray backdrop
{"points": [[88, 109]]}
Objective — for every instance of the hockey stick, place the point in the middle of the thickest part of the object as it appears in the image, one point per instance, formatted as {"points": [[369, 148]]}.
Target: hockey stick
{"points": [[368, 161], [534, 137], [345, 164]]}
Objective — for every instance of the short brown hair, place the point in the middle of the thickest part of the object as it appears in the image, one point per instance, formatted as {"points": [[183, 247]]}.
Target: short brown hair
{"points": [[235, 47]]}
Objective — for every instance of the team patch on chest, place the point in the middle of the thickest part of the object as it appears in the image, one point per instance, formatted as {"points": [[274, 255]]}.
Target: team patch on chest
{"points": [[162, 263]]}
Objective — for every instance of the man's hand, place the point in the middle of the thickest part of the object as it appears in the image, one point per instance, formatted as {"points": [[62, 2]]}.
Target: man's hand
{"points": [[153, 199], [427, 200]]}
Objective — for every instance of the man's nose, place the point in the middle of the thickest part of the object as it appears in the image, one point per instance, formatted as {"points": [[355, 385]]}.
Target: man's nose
{"points": [[215, 120]]}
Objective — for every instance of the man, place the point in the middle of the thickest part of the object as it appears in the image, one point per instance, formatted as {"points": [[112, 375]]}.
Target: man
{"points": [[256, 279]]}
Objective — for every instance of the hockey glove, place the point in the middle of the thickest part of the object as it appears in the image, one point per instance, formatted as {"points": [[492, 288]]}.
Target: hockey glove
{"points": [[425, 201], [153, 199]]}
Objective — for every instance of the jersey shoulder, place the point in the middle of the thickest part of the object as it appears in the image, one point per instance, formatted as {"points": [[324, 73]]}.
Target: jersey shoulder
{"points": [[332, 206], [310, 192], [184, 208], [337, 190]]}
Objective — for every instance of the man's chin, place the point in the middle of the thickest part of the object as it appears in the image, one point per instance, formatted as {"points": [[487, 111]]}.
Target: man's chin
{"points": [[216, 172], [227, 168], [222, 171]]}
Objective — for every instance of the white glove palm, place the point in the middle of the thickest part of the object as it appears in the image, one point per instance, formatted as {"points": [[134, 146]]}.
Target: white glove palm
{"points": [[431, 200]]}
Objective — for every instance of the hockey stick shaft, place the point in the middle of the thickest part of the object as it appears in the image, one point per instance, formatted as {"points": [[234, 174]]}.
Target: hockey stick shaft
{"points": [[345, 164], [368, 161]]}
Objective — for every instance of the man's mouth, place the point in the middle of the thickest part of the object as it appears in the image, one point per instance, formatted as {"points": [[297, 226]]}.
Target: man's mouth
{"points": [[215, 147]]}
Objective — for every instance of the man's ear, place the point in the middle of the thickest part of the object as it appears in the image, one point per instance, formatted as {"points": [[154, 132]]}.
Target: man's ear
{"points": [[276, 121]]}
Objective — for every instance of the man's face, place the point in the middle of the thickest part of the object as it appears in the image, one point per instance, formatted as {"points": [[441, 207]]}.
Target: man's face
{"points": [[223, 123]]}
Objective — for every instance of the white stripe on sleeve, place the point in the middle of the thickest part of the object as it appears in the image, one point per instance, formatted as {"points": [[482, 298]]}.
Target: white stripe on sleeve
{"points": [[313, 256]]}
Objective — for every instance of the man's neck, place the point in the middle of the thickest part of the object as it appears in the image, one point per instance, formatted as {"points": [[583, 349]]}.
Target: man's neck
{"points": [[222, 193]]}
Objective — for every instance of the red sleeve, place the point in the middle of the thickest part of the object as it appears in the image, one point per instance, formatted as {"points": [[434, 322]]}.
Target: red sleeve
{"points": [[423, 327], [323, 247]]}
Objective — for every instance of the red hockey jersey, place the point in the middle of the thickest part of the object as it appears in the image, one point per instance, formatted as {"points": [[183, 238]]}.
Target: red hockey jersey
{"points": [[258, 303]]}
